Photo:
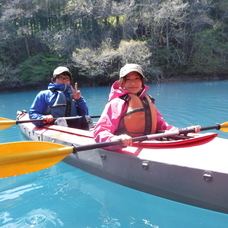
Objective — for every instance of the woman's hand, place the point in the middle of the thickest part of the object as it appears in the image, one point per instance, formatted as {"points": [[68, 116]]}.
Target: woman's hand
{"points": [[125, 139], [197, 128], [48, 119], [76, 93]]}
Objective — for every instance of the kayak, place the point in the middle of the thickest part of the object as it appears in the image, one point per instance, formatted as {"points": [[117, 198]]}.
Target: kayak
{"points": [[190, 169]]}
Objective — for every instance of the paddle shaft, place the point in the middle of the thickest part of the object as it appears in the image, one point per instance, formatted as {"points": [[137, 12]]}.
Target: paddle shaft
{"points": [[117, 142], [217, 127], [26, 157], [142, 138], [66, 118]]}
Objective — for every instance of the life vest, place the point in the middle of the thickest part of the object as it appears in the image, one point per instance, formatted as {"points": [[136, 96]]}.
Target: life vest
{"points": [[63, 106], [140, 117]]}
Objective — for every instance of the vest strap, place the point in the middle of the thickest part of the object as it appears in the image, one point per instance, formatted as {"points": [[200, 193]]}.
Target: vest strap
{"points": [[140, 118]]}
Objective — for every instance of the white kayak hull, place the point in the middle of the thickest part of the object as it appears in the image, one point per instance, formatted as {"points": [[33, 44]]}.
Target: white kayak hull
{"points": [[194, 173]]}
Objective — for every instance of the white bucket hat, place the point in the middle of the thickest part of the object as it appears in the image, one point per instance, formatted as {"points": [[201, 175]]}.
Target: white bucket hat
{"points": [[59, 70], [130, 67]]}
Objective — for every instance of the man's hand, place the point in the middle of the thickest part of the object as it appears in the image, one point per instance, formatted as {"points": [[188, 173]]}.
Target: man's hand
{"points": [[48, 118], [76, 93]]}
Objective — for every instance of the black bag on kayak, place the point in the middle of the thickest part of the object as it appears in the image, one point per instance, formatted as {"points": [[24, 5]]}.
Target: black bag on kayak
{"points": [[81, 122]]}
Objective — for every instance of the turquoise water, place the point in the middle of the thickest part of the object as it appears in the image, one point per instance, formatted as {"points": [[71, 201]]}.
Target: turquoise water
{"points": [[63, 196]]}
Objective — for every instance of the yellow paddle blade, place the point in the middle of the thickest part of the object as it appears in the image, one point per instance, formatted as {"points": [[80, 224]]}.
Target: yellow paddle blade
{"points": [[224, 127], [25, 157], [5, 123]]}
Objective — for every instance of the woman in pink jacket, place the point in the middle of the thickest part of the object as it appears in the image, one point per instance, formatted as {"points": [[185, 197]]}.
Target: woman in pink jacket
{"points": [[130, 111]]}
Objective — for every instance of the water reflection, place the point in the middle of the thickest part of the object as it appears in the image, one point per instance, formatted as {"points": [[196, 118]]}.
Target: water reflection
{"points": [[63, 196], [16, 192], [39, 218]]}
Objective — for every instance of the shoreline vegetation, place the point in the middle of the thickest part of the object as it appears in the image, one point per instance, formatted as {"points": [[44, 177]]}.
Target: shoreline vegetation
{"points": [[175, 40], [169, 80]]}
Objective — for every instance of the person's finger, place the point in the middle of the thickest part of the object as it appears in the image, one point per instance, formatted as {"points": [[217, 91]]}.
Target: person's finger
{"points": [[48, 118], [76, 86], [72, 88], [127, 140], [197, 129]]}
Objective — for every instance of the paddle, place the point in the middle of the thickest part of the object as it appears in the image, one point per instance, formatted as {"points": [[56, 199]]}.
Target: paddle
{"points": [[23, 157], [6, 123]]}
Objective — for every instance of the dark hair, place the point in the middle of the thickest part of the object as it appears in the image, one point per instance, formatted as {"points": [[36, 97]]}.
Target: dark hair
{"points": [[53, 79], [122, 80]]}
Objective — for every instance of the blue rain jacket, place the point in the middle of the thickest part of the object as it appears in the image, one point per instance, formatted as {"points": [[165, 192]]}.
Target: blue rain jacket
{"points": [[45, 100]]}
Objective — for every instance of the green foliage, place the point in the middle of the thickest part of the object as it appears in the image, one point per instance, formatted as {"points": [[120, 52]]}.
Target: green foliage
{"points": [[96, 37], [210, 54], [38, 68]]}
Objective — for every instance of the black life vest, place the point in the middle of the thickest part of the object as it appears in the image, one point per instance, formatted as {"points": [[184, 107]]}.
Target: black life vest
{"points": [[140, 117], [63, 106]]}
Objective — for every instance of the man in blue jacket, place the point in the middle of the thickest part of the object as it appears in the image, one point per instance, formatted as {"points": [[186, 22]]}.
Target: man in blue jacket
{"points": [[60, 100]]}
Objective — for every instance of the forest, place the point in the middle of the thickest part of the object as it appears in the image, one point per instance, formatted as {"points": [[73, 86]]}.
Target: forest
{"points": [[171, 39]]}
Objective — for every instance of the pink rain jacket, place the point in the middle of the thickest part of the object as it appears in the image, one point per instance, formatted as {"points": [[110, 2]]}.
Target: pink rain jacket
{"points": [[114, 111]]}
